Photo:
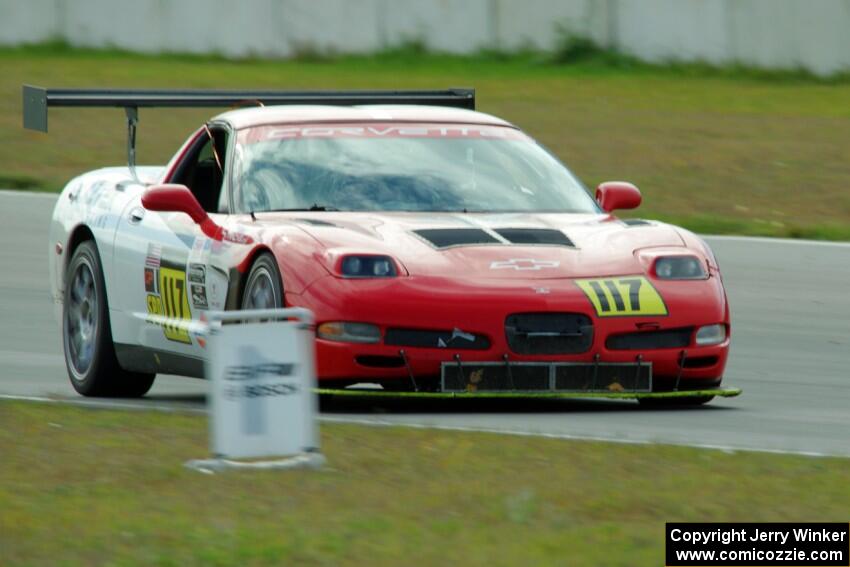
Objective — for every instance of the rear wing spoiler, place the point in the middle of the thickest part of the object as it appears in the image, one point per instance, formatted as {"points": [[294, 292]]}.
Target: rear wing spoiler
{"points": [[38, 99]]}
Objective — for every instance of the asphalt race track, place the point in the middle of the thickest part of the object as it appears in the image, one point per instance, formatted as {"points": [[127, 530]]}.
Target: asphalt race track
{"points": [[791, 354]]}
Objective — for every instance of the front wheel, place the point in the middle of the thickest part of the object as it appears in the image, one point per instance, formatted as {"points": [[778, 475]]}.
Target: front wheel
{"points": [[87, 337], [263, 288]]}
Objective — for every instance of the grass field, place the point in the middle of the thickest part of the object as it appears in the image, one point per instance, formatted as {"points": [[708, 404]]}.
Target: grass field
{"points": [[98, 487], [716, 152]]}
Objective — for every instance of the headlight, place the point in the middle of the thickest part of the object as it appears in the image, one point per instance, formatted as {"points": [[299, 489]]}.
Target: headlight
{"points": [[368, 267], [679, 268], [349, 332], [711, 335]]}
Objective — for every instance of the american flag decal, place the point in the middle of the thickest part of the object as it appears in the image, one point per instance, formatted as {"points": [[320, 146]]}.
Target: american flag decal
{"points": [[154, 254]]}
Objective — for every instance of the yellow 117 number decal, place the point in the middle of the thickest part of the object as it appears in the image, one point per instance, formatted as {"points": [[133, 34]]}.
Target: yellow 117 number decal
{"points": [[173, 304], [623, 297]]}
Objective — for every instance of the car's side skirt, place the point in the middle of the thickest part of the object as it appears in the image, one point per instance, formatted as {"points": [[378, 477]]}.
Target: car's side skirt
{"points": [[137, 358]]}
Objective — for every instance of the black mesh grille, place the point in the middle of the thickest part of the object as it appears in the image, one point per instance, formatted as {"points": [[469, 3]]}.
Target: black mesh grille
{"points": [[549, 333], [456, 340], [646, 340], [495, 378], [604, 377], [534, 236], [554, 377], [445, 237]]}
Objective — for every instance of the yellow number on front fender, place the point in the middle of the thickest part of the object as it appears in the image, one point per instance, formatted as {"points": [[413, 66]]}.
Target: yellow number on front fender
{"points": [[623, 297]]}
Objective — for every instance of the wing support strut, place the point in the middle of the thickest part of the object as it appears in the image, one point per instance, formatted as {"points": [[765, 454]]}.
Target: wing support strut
{"points": [[132, 113]]}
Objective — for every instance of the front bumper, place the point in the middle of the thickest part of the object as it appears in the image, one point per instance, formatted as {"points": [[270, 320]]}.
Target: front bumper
{"points": [[339, 361], [440, 304]]}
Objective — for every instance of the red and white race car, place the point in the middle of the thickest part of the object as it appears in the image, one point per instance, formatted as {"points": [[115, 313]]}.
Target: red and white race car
{"points": [[439, 248]]}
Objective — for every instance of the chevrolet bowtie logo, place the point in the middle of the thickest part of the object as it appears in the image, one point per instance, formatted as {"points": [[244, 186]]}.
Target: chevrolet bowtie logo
{"points": [[524, 264]]}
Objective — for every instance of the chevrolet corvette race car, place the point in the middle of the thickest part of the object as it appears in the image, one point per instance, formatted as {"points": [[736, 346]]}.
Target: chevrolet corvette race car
{"points": [[440, 249]]}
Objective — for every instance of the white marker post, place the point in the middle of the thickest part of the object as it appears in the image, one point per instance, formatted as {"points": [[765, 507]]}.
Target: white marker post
{"points": [[262, 403]]}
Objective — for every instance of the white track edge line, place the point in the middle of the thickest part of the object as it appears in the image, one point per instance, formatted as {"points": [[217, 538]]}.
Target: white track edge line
{"points": [[575, 437], [103, 404], [438, 427]]}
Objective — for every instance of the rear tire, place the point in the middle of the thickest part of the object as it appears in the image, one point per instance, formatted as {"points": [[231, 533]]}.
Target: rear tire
{"points": [[87, 337]]}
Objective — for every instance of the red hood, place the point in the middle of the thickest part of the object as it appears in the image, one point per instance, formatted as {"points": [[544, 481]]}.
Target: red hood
{"points": [[601, 245]]}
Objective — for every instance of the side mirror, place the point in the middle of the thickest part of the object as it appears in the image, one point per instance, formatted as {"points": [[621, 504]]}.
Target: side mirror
{"points": [[174, 198], [613, 195]]}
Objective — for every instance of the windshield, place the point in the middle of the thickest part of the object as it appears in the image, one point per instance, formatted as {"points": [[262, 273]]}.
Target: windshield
{"points": [[401, 167]]}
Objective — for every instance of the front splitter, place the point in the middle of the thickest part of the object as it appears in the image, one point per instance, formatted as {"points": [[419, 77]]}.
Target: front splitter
{"points": [[375, 393]]}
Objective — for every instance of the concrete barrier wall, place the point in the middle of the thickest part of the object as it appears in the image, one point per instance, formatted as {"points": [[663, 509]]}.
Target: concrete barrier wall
{"points": [[777, 34]]}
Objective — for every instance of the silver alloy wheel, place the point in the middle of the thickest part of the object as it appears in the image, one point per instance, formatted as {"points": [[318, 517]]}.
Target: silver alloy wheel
{"points": [[81, 319], [261, 292]]}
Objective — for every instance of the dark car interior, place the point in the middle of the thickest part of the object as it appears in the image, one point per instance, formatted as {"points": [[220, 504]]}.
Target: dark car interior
{"points": [[202, 170]]}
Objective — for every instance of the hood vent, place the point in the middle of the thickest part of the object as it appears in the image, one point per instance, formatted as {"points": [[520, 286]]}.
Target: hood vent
{"points": [[534, 236], [315, 222], [636, 222], [445, 237]]}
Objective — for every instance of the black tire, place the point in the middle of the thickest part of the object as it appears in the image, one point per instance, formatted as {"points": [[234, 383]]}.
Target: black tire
{"points": [[263, 289], [689, 401], [87, 337]]}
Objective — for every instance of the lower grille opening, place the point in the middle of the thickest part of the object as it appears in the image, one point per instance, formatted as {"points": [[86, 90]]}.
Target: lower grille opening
{"points": [[380, 361], [648, 340], [700, 362], [549, 333], [454, 339]]}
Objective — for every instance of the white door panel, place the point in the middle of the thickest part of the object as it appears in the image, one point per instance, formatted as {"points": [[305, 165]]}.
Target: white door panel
{"points": [[164, 280]]}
